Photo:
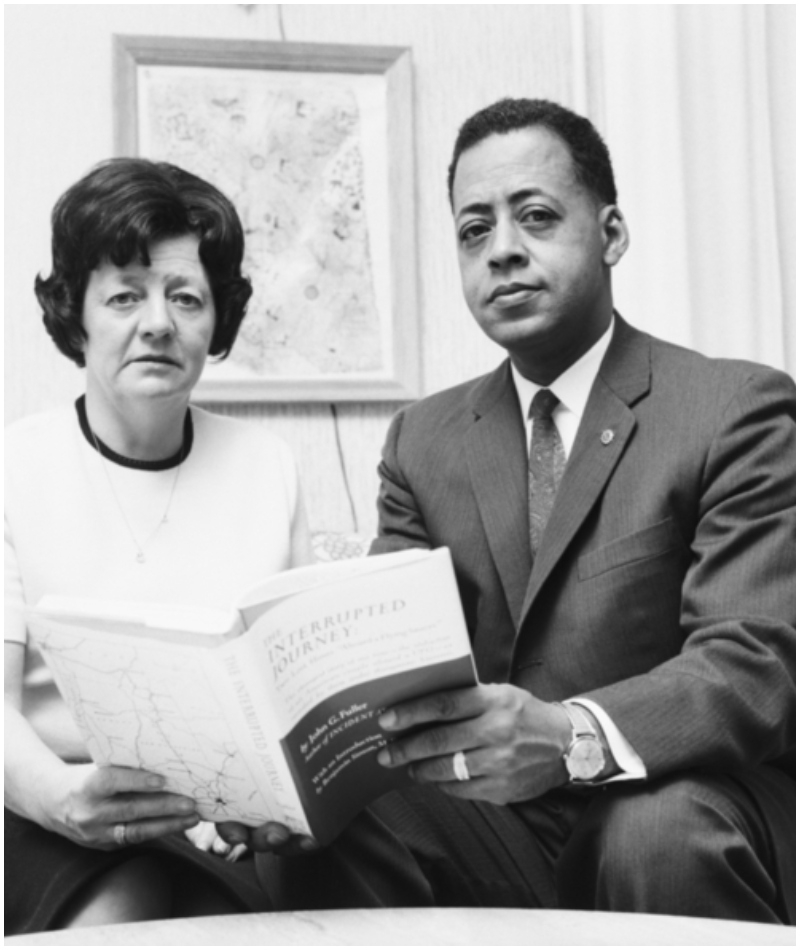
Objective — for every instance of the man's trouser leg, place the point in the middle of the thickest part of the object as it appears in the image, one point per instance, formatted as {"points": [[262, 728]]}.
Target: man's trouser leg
{"points": [[696, 844], [419, 848], [702, 844]]}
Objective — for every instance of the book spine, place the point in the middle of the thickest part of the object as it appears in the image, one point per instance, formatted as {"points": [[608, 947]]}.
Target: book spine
{"points": [[247, 704]]}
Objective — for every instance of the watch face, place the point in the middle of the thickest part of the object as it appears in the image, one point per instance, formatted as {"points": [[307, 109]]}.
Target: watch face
{"points": [[585, 760]]}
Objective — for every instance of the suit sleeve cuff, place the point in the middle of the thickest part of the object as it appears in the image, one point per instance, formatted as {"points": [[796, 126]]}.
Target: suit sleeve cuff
{"points": [[630, 765]]}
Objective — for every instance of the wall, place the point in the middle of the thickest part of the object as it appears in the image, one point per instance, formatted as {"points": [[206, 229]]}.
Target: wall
{"points": [[696, 101], [59, 123]]}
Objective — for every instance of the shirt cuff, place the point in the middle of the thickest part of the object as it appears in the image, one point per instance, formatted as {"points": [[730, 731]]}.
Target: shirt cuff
{"points": [[631, 766]]}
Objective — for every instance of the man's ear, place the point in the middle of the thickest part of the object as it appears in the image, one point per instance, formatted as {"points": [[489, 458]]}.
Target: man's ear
{"points": [[615, 234]]}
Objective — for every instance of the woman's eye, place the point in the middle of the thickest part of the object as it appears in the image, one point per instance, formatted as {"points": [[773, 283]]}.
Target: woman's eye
{"points": [[123, 299], [188, 301]]}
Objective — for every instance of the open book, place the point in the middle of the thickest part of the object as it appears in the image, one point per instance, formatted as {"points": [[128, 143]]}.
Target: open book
{"points": [[265, 712]]}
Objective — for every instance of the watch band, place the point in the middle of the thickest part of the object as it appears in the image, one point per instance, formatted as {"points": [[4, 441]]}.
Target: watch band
{"points": [[581, 724], [582, 768]]}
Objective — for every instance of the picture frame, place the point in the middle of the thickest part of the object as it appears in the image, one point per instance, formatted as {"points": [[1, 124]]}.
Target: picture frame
{"points": [[313, 144]]}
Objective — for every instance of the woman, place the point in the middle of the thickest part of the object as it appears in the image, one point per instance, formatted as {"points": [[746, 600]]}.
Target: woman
{"points": [[130, 495]]}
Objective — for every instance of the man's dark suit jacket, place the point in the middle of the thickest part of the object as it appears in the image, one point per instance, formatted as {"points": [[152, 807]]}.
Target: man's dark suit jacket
{"points": [[664, 586]]}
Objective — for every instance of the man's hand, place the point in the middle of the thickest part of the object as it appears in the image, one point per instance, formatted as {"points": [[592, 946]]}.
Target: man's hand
{"points": [[204, 837], [513, 743], [268, 837]]}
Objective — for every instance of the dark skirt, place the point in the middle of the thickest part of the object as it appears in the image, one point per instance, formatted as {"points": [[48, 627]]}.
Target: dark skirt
{"points": [[44, 872]]}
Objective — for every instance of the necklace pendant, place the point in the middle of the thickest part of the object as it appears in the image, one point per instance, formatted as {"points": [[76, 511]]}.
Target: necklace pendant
{"points": [[140, 554]]}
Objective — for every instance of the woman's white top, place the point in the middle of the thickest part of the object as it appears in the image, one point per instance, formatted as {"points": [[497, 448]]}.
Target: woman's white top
{"points": [[235, 518]]}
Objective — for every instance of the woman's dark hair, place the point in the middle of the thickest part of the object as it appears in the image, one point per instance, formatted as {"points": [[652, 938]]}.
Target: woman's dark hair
{"points": [[590, 157], [118, 210]]}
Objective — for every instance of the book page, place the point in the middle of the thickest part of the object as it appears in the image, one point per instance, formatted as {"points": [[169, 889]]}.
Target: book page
{"points": [[144, 704], [176, 622], [240, 690], [257, 600], [362, 628]]}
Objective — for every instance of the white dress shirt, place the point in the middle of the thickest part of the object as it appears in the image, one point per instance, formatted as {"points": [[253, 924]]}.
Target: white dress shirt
{"points": [[572, 389]]}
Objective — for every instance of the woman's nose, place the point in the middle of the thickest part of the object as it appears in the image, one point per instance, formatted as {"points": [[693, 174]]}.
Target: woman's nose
{"points": [[155, 318]]}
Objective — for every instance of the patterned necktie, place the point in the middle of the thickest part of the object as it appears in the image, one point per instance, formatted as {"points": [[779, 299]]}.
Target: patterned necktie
{"points": [[545, 465]]}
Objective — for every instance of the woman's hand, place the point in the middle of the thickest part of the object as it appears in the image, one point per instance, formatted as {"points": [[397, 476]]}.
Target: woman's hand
{"points": [[112, 807], [98, 808], [268, 837]]}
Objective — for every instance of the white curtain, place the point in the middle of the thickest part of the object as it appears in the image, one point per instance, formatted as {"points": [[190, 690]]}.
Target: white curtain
{"points": [[697, 104]]}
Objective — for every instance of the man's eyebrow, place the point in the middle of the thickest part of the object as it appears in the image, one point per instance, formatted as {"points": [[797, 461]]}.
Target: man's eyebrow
{"points": [[477, 207], [522, 194], [525, 193]]}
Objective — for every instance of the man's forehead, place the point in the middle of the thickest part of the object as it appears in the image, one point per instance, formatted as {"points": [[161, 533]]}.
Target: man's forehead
{"points": [[507, 163]]}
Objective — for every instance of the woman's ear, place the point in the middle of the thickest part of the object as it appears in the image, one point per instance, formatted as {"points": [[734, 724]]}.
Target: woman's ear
{"points": [[615, 234]]}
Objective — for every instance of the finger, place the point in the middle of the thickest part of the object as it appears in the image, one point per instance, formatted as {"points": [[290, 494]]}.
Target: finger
{"points": [[139, 831], [437, 707], [431, 743], [273, 836], [233, 832], [267, 837], [442, 769], [297, 845], [129, 808], [114, 780]]}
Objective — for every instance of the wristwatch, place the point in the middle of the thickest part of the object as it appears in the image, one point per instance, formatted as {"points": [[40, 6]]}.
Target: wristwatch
{"points": [[585, 758]]}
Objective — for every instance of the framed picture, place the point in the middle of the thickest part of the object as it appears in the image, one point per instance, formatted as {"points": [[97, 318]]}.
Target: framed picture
{"points": [[313, 144]]}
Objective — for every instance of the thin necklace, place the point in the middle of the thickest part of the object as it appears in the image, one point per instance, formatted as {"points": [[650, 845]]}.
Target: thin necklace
{"points": [[140, 548]]}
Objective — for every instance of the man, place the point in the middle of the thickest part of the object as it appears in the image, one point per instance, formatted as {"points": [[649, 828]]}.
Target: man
{"points": [[624, 550]]}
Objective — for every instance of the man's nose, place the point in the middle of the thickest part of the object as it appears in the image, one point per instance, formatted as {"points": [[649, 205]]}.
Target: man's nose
{"points": [[156, 319], [508, 247]]}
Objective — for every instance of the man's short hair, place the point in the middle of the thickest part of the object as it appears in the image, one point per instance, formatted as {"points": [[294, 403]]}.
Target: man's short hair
{"points": [[590, 156], [115, 213]]}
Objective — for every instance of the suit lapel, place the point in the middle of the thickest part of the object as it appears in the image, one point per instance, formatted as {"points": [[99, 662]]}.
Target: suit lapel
{"points": [[498, 464], [606, 427]]}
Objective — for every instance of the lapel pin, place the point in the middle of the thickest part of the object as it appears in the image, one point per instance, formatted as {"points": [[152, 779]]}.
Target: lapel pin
{"points": [[607, 436]]}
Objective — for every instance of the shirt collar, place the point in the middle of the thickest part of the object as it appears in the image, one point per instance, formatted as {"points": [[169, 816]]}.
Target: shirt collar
{"points": [[574, 385]]}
